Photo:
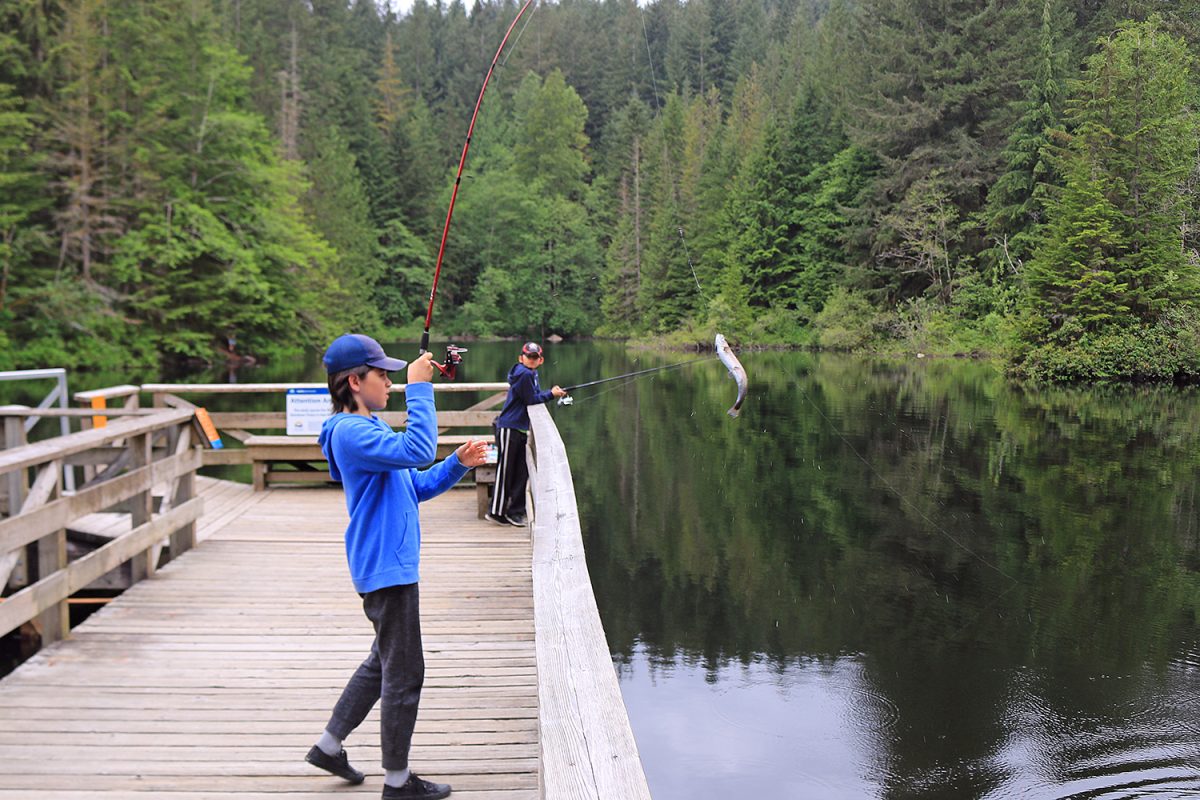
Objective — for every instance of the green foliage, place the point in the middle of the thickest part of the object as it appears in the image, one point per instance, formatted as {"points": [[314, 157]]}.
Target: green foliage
{"points": [[1016, 202], [847, 322], [283, 169], [338, 208], [401, 290], [550, 143], [67, 324], [1166, 350], [1113, 254]]}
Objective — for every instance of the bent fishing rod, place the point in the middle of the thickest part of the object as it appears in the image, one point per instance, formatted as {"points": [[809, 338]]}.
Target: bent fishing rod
{"points": [[566, 401], [454, 353]]}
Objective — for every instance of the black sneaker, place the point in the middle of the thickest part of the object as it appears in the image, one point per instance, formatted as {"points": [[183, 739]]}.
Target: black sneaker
{"points": [[519, 520], [414, 787], [338, 765], [498, 519]]}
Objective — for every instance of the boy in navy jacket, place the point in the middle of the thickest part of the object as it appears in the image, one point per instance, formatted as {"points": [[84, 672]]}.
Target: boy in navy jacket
{"points": [[382, 474], [512, 432]]}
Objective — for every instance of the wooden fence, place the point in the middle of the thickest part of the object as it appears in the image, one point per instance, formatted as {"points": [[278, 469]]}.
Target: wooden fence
{"points": [[243, 425], [125, 461], [588, 749]]}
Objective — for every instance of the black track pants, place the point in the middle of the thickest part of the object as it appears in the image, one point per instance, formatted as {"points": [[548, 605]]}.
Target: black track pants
{"points": [[392, 675], [512, 473]]}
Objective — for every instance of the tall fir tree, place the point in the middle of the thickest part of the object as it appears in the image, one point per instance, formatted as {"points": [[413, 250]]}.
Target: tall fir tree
{"points": [[1113, 252], [1016, 203]]}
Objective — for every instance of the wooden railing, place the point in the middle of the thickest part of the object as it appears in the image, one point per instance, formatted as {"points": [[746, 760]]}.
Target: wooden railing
{"points": [[241, 425], [127, 459], [588, 749]]}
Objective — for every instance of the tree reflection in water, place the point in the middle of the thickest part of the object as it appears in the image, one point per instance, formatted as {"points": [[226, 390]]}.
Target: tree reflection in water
{"points": [[894, 580]]}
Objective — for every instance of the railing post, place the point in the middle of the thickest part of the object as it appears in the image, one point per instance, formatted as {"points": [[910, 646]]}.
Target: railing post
{"points": [[140, 505], [17, 484], [185, 489], [54, 622]]}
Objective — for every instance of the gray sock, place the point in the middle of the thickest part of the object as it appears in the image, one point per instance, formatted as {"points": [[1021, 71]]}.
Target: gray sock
{"points": [[329, 744], [395, 777]]}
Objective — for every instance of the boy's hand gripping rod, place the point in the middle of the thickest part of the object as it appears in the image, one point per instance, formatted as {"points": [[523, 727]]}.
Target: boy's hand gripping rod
{"points": [[454, 353]]}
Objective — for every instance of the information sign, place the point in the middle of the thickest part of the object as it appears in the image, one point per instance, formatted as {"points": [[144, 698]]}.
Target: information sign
{"points": [[307, 410]]}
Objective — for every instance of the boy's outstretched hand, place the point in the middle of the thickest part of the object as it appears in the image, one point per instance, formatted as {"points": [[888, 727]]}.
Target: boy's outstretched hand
{"points": [[472, 454]]}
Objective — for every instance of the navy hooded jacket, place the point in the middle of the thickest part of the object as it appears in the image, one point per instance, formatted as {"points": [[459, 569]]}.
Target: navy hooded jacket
{"points": [[523, 391]]}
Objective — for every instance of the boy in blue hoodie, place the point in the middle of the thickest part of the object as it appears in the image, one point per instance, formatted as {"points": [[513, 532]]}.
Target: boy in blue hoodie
{"points": [[512, 432], [382, 476]]}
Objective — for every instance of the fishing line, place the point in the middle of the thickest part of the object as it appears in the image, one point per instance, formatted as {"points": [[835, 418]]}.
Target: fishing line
{"points": [[606, 390], [639, 372], [667, 163], [879, 476], [632, 377], [520, 33]]}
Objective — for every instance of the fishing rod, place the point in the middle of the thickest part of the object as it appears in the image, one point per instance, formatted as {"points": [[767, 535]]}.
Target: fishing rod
{"points": [[566, 401], [454, 353]]}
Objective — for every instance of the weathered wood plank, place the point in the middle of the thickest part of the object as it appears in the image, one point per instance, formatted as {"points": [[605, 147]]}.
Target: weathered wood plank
{"points": [[214, 676], [578, 727], [64, 446], [25, 528], [280, 388], [62, 584], [210, 679]]}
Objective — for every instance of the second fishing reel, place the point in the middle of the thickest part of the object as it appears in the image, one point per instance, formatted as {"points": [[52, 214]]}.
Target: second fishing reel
{"points": [[453, 359]]}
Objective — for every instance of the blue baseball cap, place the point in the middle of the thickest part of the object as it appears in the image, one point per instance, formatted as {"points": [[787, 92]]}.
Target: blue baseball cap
{"points": [[354, 350]]}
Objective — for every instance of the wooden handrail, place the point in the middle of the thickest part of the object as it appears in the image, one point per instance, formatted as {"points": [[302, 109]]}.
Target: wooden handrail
{"points": [[588, 749], [71, 413], [108, 392], [39, 512], [252, 388], [63, 446]]}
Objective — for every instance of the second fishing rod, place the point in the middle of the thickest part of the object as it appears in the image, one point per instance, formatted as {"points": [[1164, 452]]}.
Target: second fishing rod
{"points": [[566, 401]]}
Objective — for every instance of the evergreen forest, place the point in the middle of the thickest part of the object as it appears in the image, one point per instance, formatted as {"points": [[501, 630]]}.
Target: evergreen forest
{"points": [[1017, 178]]}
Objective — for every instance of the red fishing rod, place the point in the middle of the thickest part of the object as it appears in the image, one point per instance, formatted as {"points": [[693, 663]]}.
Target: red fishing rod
{"points": [[454, 353]]}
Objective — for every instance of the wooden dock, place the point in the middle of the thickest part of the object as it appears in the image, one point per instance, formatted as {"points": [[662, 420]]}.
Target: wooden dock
{"points": [[214, 678], [212, 675]]}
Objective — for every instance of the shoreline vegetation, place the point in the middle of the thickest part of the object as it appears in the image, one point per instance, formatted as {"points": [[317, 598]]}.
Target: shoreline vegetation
{"points": [[190, 182]]}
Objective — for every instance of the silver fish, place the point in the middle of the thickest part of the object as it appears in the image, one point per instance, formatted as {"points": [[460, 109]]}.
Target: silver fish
{"points": [[736, 371]]}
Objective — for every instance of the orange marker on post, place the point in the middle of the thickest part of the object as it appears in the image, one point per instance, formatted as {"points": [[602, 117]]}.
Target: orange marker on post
{"points": [[208, 429], [99, 403]]}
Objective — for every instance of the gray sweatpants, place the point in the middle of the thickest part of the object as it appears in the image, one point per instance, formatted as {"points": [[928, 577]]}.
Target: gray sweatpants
{"points": [[392, 674]]}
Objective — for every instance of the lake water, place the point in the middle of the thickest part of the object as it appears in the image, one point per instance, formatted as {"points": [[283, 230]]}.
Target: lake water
{"points": [[886, 579], [893, 579]]}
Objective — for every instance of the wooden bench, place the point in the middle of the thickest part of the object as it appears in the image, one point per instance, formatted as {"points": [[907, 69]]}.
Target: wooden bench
{"points": [[306, 463]]}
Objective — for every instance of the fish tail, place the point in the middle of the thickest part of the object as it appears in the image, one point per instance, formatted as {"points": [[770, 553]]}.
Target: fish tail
{"points": [[733, 412]]}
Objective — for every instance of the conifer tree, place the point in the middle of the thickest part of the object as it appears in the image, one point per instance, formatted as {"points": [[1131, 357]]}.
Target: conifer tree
{"points": [[19, 183], [626, 140], [1113, 252], [1016, 202], [936, 100], [550, 140]]}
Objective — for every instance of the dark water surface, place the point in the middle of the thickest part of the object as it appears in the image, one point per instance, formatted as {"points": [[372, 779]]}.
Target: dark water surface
{"points": [[893, 580], [886, 579]]}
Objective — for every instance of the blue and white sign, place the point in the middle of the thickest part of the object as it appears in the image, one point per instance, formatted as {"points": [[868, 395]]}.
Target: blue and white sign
{"points": [[307, 410]]}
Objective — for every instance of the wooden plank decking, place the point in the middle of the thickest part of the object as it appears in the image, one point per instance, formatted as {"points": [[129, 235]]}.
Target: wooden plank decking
{"points": [[213, 678]]}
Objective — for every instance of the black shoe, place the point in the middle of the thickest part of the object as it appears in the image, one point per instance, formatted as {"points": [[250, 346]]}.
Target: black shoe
{"points": [[498, 519], [338, 765], [414, 787], [519, 520]]}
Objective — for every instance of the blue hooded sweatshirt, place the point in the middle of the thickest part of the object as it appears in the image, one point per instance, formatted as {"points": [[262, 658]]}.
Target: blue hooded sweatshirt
{"points": [[523, 391], [379, 470]]}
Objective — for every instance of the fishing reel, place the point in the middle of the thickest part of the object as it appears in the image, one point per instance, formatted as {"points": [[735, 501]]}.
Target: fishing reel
{"points": [[566, 400], [453, 359]]}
